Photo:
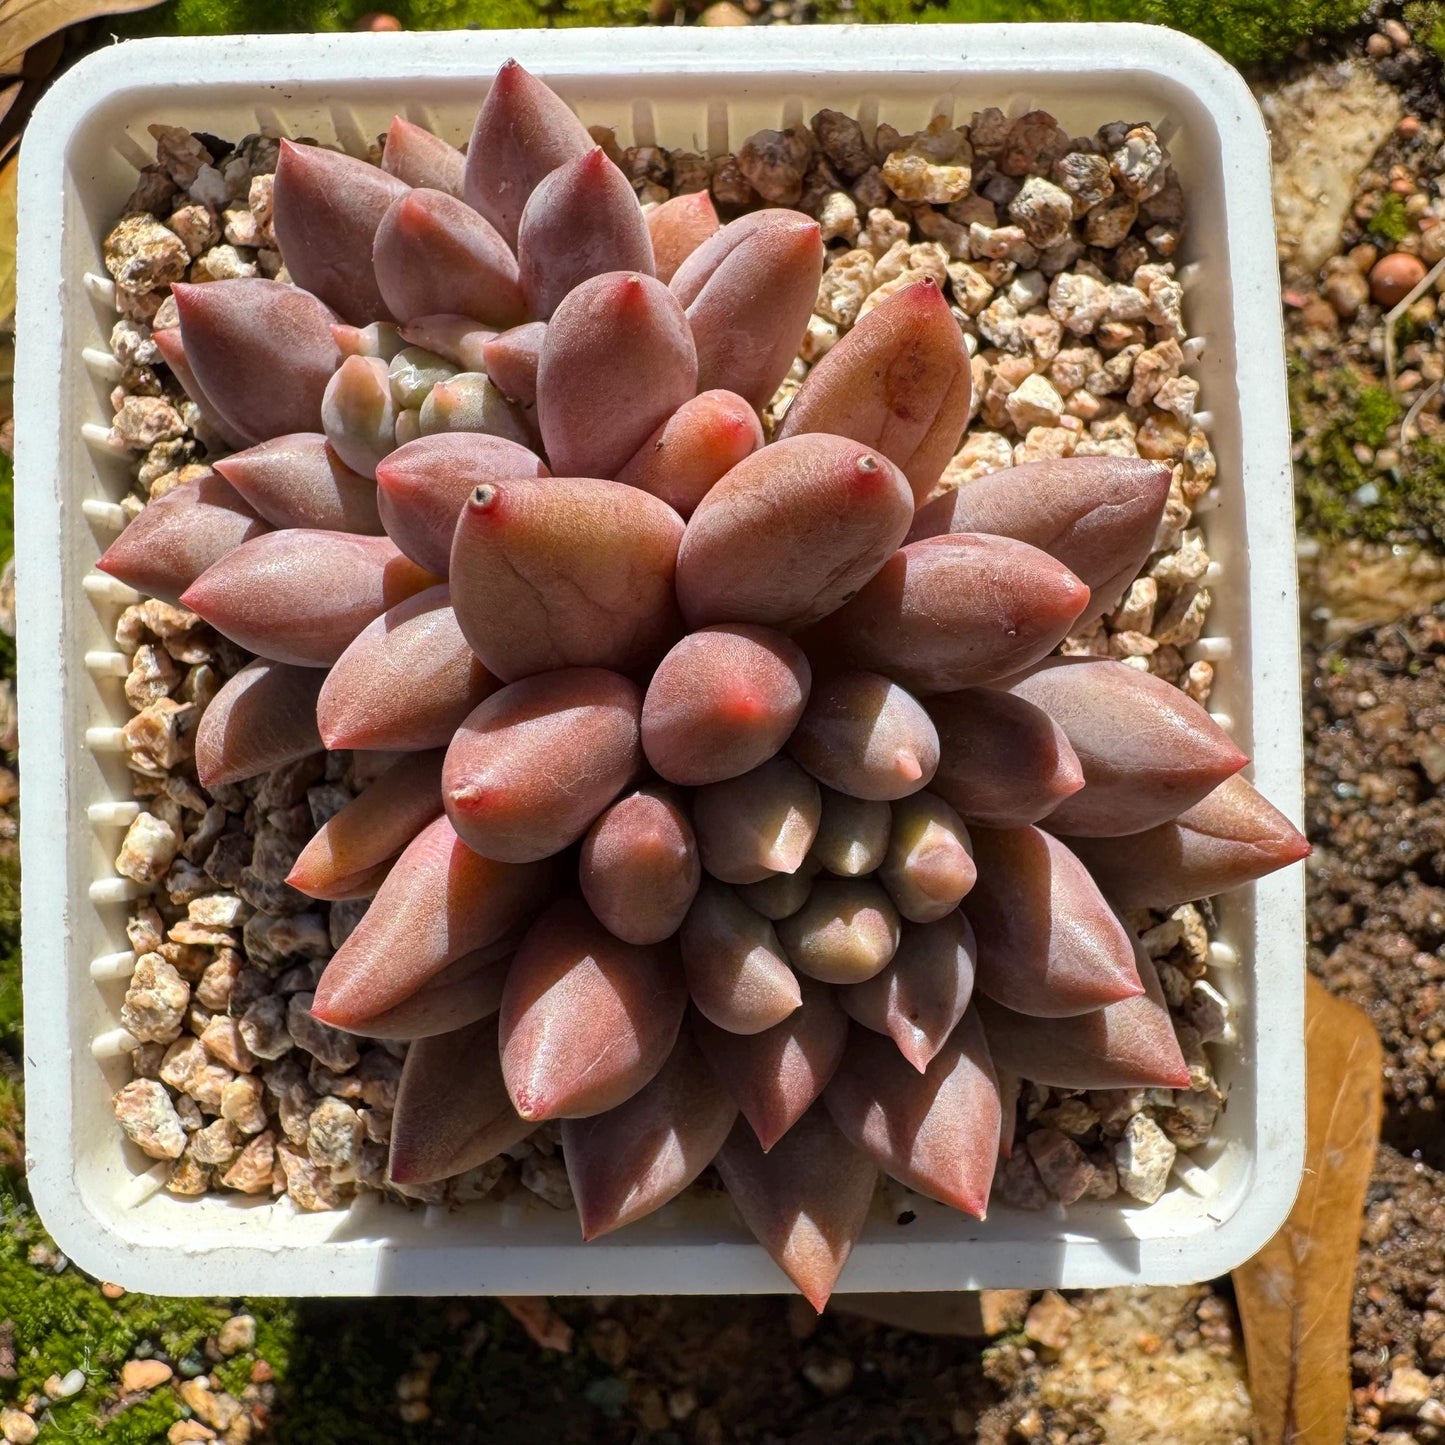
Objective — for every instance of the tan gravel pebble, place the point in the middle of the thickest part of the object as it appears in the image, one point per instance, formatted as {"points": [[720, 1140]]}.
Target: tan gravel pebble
{"points": [[144, 1374]]}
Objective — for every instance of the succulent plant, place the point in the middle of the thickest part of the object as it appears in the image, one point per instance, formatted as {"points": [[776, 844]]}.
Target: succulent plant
{"points": [[742, 812]]}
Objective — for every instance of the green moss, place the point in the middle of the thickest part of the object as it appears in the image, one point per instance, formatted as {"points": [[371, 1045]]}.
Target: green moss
{"points": [[1243, 31], [1389, 223], [1339, 496], [144, 1422], [1426, 19]]}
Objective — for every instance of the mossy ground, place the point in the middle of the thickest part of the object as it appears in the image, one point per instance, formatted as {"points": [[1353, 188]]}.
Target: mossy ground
{"points": [[1244, 31], [1339, 496]]}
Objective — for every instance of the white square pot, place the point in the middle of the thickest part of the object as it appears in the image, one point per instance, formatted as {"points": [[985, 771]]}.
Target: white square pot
{"points": [[706, 90]]}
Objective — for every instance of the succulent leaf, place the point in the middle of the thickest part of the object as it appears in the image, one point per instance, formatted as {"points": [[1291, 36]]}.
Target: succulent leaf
{"points": [[523, 132], [299, 481], [923, 993], [852, 834], [302, 596], [452, 1109], [586, 1020], [407, 681], [846, 932], [937, 1131], [463, 992], [327, 210], [261, 718], [758, 823], [1096, 515], [791, 533], [414, 155], [439, 902], [423, 486], [806, 1202], [1003, 763], [172, 348], [735, 967], [359, 413], [899, 381], [260, 351], [865, 736], [511, 359], [929, 867], [951, 612], [633, 1159], [1147, 750], [616, 362], [749, 291], [568, 572], [459, 339], [534, 764], [639, 869], [677, 228], [703, 440], [1048, 943], [435, 254], [1230, 837], [723, 701], [180, 534]]}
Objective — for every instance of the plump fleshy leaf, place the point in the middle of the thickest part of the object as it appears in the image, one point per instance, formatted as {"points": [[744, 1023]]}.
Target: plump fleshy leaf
{"points": [[899, 381], [1096, 515], [776, 1075], [327, 210], [534, 764], [409, 680], [179, 535], [566, 572], [790, 533], [677, 228], [523, 132], [1231, 836], [1048, 943], [434, 254], [511, 359], [735, 967], [806, 1201], [703, 440], [414, 155], [371, 829], [439, 902], [262, 717], [929, 867], [722, 702], [749, 290], [758, 823], [376, 338], [617, 360], [423, 486], [452, 1109], [359, 413], [1124, 1045], [846, 932], [301, 596], [633, 1159], [639, 869], [172, 348], [299, 481], [852, 834], [1003, 762], [463, 992], [1147, 750], [586, 1020], [582, 220], [459, 339], [780, 894], [865, 736], [935, 1131], [261, 351], [470, 402], [954, 611], [920, 997]]}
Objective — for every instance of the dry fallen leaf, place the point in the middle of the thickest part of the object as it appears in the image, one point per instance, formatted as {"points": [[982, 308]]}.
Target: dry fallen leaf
{"points": [[23, 23], [1294, 1295], [542, 1323], [8, 176]]}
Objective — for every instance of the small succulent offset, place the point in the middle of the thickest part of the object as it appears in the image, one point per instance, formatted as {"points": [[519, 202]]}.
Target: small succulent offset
{"points": [[743, 815]]}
